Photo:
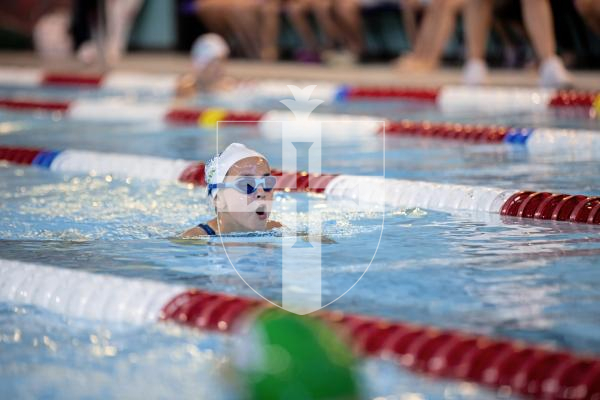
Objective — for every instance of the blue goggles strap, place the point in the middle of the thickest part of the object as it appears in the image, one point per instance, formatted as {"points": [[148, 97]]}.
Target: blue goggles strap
{"points": [[257, 181], [211, 187]]}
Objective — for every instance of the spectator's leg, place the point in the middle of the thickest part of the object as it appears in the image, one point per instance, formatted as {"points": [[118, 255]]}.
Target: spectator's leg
{"points": [[438, 25], [270, 30], [508, 48], [213, 16], [478, 16], [409, 19], [538, 20], [297, 10], [120, 15], [437, 30], [322, 10], [244, 16], [348, 14], [590, 12], [539, 23]]}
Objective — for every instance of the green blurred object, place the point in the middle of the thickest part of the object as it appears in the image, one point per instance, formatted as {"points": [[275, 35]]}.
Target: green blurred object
{"points": [[155, 28], [295, 357]]}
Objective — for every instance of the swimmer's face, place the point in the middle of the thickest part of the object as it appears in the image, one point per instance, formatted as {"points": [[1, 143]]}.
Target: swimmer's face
{"points": [[241, 211]]}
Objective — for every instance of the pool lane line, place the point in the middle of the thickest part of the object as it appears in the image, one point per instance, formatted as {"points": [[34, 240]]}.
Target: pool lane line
{"points": [[34, 105], [396, 192], [506, 365], [448, 98], [542, 139]]}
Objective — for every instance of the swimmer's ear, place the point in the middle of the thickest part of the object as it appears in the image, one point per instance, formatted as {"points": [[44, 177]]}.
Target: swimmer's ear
{"points": [[220, 203]]}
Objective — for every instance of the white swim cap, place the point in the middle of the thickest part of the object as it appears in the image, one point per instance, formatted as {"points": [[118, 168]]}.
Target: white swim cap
{"points": [[216, 169], [207, 48]]}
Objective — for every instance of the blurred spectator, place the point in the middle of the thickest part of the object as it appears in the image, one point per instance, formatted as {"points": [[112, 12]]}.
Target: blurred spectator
{"points": [[98, 31], [269, 34], [538, 20], [51, 37], [410, 9], [214, 15], [590, 12], [120, 16], [348, 17], [513, 37], [26, 16], [298, 13], [101, 28], [21, 16], [340, 25], [254, 26], [435, 30]]}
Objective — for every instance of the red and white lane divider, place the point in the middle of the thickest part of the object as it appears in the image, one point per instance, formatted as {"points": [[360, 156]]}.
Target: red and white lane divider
{"points": [[361, 189], [447, 98], [501, 364], [113, 80], [84, 295], [585, 142]]}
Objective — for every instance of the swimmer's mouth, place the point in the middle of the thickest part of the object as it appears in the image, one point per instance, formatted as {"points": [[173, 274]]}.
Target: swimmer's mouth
{"points": [[261, 212]]}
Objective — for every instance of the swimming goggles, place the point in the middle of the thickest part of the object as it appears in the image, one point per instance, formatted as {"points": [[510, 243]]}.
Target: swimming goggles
{"points": [[246, 184]]}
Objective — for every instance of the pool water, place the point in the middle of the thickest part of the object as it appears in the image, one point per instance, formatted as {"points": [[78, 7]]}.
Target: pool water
{"points": [[483, 273]]}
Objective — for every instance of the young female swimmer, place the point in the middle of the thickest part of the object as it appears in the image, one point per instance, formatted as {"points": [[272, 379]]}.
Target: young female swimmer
{"points": [[207, 73], [240, 185]]}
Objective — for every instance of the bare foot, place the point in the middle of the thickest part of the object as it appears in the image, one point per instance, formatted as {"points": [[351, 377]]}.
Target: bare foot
{"points": [[269, 54], [413, 64]]}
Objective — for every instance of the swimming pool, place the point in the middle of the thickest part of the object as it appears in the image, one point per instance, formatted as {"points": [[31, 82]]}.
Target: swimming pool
{"points": [[500, 276]]}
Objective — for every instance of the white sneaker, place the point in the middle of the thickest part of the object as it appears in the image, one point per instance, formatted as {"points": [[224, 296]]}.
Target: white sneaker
{"points": [[554, 74], [475, 72]]}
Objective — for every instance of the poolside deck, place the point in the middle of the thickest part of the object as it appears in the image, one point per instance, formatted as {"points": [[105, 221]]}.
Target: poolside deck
{"points": [[375, 74]]}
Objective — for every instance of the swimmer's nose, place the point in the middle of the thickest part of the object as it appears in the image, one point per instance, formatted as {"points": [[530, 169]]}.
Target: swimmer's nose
{"points": [[260, 192]]}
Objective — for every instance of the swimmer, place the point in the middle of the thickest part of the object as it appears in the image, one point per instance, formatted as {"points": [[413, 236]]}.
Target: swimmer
{"points": [[209, 53], [240, 186]]}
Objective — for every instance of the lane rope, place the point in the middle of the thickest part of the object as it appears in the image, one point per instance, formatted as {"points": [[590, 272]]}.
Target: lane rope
{"points": [[509, 366], [394, 193], [337, 126], [447, 98]]}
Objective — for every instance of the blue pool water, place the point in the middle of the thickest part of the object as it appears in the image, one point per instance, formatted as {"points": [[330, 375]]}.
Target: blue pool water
{"points": [[504, 277]]}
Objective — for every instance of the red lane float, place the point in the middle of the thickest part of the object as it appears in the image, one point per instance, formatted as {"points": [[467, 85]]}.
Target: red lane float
{"points": [[18, 155], [463, 132], [193, 174], [302, 181], [556, 207], [287, 182], [183, 116], [573, 98], [242, 117], [59, 79], [505, 365], [41, 105], [193, 116], [386, 93]]}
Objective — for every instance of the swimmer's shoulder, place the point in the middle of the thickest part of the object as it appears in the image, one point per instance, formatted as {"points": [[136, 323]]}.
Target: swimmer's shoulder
{"points": [[193, 233], [273, 225], [199, 230]]}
